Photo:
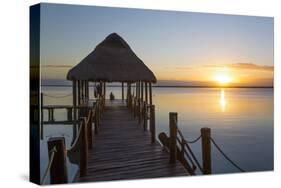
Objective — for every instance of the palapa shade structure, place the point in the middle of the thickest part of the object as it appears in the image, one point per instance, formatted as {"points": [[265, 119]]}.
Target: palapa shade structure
{"points": [[111, 61]]}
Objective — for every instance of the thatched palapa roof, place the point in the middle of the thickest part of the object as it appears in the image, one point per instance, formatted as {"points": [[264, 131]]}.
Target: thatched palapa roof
{"points": [[112, 61]]}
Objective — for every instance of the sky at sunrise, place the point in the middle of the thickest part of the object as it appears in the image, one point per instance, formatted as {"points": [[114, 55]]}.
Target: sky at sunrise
{"points": [[179, 47]]}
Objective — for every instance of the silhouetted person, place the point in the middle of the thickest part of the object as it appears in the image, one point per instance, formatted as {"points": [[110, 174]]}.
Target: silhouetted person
{"points": [[111, 96], [98, 90]]}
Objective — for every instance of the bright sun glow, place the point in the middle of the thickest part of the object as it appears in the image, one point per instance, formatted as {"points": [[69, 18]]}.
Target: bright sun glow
{"points": [[222, 78]]}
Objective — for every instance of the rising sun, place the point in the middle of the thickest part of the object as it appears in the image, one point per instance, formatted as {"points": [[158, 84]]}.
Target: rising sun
{"points": [[222, 79]]}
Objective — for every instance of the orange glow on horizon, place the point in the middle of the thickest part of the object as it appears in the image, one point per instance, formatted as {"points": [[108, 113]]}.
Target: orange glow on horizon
{"points": [[223, 78]]}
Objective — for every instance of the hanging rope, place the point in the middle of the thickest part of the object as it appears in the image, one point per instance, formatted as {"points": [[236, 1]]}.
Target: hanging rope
{"points": [[76, 139], [187, 141], [225, 156], [58, 96], [52, 155], [193, 141]]}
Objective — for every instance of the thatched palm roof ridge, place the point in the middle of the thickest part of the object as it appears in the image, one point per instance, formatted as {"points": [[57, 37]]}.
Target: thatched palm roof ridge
{"points": [[112, 61]]}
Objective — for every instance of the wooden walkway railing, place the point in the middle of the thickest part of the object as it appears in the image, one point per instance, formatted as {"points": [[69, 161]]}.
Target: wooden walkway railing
{"points": [[145, 114], [78, 152], [179, 148]]}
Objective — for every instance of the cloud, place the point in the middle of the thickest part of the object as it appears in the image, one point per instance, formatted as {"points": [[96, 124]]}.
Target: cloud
{"points": [[183, 68], [247, 66]]}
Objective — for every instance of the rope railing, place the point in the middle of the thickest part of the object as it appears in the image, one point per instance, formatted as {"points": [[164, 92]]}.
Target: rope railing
{"points": [[225, 156], [77, 153], [192, 159], [75, 142], [52, 155], [187, 141]]}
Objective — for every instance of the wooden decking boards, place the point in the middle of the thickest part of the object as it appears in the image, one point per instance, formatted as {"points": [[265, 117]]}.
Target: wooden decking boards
{"points": [[123, 150]]}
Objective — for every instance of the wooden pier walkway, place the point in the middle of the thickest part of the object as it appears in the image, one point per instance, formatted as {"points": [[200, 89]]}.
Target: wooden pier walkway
{"points": [[123, 150]]}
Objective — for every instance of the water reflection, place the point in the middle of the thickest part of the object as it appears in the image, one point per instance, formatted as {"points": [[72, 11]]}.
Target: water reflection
{"points": [[222, 100]]}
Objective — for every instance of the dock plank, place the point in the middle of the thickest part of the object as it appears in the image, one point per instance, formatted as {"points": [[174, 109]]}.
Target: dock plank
{"points": [[123, 150]]}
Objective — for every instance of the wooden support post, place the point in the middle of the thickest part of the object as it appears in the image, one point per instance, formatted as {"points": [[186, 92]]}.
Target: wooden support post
{"points": [[52, 112], [206, 150], [95, 114], [84, 149], [135, 107], [122, 91], [104, 92], [49, 114], [41, 117], [145, 86], [144, 116], [82, 91], [130, 96], [127, 96], [79, 92], [74, 98], [69, 114], [139, 110], [94, 88], [152, 123], [87, 90], [89, 127], [58, 171], [138, 91], [142, 91], [150, 94], [181, 156], [101, 89], [139, 101], [173, 116]]}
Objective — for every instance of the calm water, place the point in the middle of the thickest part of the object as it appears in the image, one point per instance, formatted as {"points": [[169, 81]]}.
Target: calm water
{"points": [[241, 121]]}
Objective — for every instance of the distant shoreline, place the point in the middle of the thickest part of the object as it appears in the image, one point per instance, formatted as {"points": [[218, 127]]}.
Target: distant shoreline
{"points": [[169, 86]]}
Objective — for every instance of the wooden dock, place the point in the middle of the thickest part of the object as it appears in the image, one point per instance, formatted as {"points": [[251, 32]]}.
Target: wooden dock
{"points": [[123, 150]]}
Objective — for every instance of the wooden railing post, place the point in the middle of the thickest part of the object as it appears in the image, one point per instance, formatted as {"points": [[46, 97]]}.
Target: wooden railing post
{"points": [[173, 117], [99, 112], [58, 171], [206, 150], [89, 127], [135, 108], [139, 110], [84, 149], [122, 91], [152, 123], [41, 117], [144, 116], [69, 114], [182, 151], [95, 114]]}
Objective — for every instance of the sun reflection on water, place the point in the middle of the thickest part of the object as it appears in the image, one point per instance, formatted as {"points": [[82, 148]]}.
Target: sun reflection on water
{"points": [[222, 100]]}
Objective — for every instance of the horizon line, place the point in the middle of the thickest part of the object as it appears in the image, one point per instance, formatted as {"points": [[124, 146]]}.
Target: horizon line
{"points": [[166, 86]]}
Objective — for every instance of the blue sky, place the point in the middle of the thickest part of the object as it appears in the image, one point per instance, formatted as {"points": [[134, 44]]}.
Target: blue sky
{"points": [[173, 44]]}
